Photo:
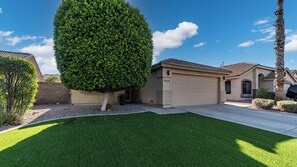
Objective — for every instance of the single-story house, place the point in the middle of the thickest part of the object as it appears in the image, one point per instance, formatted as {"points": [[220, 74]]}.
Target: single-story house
{"points": [[246, 78], [172, 83], [178, 83], [25, 56]]}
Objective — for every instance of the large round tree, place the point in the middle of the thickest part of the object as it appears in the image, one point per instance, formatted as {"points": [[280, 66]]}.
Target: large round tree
{"points": [[102, 45]]}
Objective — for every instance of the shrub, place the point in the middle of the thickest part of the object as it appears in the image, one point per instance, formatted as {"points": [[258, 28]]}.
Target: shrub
{"points": [[52, 79], [263, 103], [287, 106], [265, 94], [9, 118], [18, 87], [102, 45]]}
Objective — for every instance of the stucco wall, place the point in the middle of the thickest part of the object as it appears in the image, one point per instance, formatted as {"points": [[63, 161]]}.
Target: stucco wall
{"points": [[268, 85], [264, 84], [81, 98], [235, 90], [151, 93]]}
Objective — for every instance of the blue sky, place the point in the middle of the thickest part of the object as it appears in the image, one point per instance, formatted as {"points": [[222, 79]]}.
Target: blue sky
{"points": [[203, 31]]}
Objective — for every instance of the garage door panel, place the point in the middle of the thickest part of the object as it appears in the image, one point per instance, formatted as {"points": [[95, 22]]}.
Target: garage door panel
{"points": [[194, 90]]}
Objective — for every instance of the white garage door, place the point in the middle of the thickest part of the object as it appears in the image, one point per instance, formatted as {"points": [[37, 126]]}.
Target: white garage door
{"points": [[194, 90]]}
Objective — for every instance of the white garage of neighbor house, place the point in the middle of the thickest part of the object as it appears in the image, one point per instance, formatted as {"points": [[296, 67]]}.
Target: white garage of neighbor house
{"points": [[178, 83]]}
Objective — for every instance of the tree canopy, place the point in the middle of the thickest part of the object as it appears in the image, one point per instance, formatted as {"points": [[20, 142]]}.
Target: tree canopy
{"points": [[52, 79], [102, 45]]}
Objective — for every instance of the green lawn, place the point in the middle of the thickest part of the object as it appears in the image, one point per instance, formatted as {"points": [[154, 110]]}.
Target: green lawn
{"points": [[145, 139]]}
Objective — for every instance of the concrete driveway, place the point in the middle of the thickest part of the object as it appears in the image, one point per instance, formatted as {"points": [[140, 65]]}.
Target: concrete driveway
{"points": [[282, 123]]}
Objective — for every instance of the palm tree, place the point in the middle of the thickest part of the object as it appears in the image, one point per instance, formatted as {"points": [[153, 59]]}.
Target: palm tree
{"points": [[280, 52]]}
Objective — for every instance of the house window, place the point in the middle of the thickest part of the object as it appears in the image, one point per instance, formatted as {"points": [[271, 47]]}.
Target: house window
{"points": [[228, 87], [246, 87]]}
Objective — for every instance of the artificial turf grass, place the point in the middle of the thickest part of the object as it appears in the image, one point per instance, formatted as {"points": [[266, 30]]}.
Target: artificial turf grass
{"points": [[145, 139]]}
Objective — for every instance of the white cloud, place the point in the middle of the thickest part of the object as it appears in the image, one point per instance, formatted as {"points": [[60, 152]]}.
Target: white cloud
{"points": [[246, 44], [268, 38], [5, 33], [44, 54], [200, 44], [261, 21], [1, 11], [173, 38], [264, 30], [291, 45], [268, 31], [12, 41], [292, 61]]}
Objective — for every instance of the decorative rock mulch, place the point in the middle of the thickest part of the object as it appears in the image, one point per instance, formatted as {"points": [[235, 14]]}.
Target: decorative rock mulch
{"points": [[41, 113]]}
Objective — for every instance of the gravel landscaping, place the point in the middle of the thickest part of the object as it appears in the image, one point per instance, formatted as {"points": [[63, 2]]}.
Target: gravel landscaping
{"points": [[47, 112]]}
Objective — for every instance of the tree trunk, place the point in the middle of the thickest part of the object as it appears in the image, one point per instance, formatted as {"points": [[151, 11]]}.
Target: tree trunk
{"points": [[104, 102], [280, 52]]}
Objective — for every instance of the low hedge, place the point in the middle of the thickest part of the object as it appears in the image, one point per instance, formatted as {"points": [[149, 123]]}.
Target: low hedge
{"points": [[287, 106], [263, 103]]}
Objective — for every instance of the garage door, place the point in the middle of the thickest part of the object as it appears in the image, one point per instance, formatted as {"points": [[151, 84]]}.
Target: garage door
{"points": [[194, 90]]}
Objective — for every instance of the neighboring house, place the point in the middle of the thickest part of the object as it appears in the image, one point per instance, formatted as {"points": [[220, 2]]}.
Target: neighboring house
{"points": [[25, 56], [294, 72], [178, 83], [290, 79], [247, 77]]}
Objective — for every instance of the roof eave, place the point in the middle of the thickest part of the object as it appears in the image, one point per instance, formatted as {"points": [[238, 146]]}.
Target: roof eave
{"points": [[183, 67]]}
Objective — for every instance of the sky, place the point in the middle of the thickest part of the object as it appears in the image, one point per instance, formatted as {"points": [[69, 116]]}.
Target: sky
{"points": [[208, 32]]}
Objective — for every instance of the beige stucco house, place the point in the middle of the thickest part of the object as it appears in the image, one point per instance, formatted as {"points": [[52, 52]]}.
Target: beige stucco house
{"points": [[178, 83], [25, 56], [172, 83], [245, 78]]}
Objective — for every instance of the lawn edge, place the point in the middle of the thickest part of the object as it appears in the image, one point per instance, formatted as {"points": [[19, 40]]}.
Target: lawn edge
{"points": [[69, 117]]}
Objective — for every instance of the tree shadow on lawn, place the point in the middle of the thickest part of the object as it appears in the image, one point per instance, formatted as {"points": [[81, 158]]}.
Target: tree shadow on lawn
{"points": [[144, 139]]}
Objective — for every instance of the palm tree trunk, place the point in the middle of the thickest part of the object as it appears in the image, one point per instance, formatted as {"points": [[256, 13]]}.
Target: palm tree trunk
{"points": [[280, 52]]}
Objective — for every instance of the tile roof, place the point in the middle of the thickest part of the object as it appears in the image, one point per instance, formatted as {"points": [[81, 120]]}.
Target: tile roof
{"points": [[183, 63], [27, 56], [239, 68], [15, 54], [270, 76]]}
